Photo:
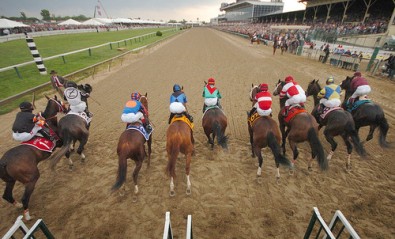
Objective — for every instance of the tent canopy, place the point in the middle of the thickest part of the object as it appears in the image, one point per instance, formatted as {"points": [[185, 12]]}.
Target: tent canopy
{"points": [[69, 22], [92, 22], [5, 23]]}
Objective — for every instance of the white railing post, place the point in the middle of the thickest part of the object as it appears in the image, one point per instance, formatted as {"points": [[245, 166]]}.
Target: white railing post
{"points": [[167, 232], [189, 228]]}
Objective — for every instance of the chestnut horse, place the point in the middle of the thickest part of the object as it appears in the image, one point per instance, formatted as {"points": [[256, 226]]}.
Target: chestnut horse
{"points": [[131, 145], [20, 163], [337, 122], [254, 40], [368, 114], [264, 133], [179, 139], [214, 123], [303, 127], [72, 128]]}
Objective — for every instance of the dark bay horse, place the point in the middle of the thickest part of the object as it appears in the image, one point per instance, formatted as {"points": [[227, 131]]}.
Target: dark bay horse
{"points": [[20, 162], [72, 128], [368, 114], [254, 40], [179, 139], [337, 122], [214, 123], [303, 127], [264, 133], [131, 145]]}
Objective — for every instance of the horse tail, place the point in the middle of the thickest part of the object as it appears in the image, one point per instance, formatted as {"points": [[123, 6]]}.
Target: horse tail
{"points": [[173, 151], [221, 138], [122, 169], [276, 149], [67, 140], [355, 139], [383, 125], [317, 149]]}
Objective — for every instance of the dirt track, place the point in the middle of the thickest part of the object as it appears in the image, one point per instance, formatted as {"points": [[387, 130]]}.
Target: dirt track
{"points": [[226, 200]]}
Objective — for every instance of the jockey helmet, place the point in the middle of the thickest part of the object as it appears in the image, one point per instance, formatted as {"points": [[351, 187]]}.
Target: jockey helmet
{"points": [[289, 79], [330, 80], [211, 81], [176, 88], [71, 84], [26, 106], [264, 87], [135, 96], [357, 73]]}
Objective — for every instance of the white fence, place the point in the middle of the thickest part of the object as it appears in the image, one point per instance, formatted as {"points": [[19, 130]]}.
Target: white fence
{"points": [[168, 233], [28, 233]]}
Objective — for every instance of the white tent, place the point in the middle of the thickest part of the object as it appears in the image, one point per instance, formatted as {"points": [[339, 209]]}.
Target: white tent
{"points": [[5, 23], [106, 21], [69, 22], [92, 22]]}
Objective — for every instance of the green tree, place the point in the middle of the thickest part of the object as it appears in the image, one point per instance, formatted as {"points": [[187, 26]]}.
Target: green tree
{"points": [[45, 14], [23, 15]]}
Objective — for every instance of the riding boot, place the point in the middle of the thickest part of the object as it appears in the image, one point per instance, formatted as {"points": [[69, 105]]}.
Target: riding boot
{"points": [[171, 117], [127, 125], [147, 125], [285, 111], [89, 114], [252, 111], [188, 116], [204, 108], [46, 134], [320, 109]]}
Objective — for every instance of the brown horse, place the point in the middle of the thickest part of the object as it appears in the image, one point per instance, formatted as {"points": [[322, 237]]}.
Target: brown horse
{"points": [[214, 123], [72, 128], [337, 122], [179, 139], [252, 39], [368, 114], [264, 133], [20, 162], [131, 145], [303, 127]]}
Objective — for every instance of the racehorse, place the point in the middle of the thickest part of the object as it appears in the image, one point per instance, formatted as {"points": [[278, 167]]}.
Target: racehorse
{"points": [[302, 127], [264, 132], [131, 145], [72, 127], [283, 46], [367, 114], [20, 162], [179, 139], [214, 123], [252, 39], [337, 122]]}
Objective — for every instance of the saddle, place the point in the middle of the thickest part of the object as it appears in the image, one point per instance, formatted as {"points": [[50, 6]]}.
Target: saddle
{"points": [[355, 105], [181, 117], [41, 143], [83, 115], [327, 110], [292, 112], [140, 128], [212, 107]]}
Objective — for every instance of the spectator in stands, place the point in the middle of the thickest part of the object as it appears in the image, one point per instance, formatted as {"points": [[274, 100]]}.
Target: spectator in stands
{"points": [[327, 51]]}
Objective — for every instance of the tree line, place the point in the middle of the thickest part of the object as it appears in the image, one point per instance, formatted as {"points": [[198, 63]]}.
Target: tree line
{"points": [[46, 16]]}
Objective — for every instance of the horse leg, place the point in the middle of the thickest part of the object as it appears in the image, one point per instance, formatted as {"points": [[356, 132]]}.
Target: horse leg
{"points": [[258, 153], [349, 151], [283, 135], [8, 196], [83, 142], [295, 152], [139, 164], [187, 171], [210, 140], [29, 188], [251, 142], [371, 131], [330, 139], [149, 143]]}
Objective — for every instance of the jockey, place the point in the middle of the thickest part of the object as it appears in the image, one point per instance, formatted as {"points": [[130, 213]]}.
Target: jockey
{"points": [[178, 102], [254, 36], [211, 95], [264, 101], [27, 124], [134, 111], [295, 93], [360, 87], [76, 98], [329, 95]]}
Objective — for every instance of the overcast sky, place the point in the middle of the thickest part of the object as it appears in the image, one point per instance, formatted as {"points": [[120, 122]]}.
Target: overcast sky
{"points": [[164, 10]]}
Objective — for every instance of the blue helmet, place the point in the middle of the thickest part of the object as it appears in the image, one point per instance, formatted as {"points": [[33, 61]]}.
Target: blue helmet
{"points": [[176, 88]]}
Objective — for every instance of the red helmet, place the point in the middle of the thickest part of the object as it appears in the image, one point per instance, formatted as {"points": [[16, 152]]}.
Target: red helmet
{"points": [[358, 74], [289, 79], [211, 81], [264, 87]]}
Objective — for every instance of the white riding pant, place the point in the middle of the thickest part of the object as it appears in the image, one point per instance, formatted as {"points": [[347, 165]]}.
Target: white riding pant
{"points": [[177, 108], [210, 101], [26, 136], [263, 112], [132, 117], [361, 90], [331, 103], [296, 99], [79, 107]]}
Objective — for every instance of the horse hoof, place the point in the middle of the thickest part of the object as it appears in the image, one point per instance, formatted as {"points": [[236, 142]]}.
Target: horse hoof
{"points": [[310, 169], [17, 204], [71, 167], [259, 180], [122, 193], [291, 172], [348, 168], [172, 193], [134, 198], [188, 192], [278, 180]]}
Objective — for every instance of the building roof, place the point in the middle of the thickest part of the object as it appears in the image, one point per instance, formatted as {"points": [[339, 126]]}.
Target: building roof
{"points": [[246, 3]]}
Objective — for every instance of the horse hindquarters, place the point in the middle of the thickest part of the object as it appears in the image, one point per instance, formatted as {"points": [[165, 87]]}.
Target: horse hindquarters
{"points": [[316, 148], [276, 150]]}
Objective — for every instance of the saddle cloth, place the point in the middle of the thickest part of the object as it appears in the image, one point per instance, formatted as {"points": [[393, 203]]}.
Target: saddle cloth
{"points": [[356, 104], [327, 110], [41, 143], [182, 118], [141, 129], [253, 118], [212, 107], [292, 112], [83, 115]]}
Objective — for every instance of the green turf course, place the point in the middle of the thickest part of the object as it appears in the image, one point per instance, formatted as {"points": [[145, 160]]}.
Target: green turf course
{"points": [[16, 52]]}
